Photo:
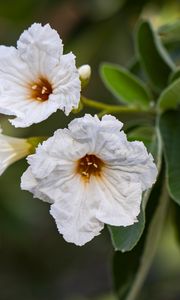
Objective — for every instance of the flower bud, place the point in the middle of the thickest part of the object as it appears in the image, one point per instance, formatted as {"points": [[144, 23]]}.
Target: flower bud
{"points": [[11, 150], [84, 75]]}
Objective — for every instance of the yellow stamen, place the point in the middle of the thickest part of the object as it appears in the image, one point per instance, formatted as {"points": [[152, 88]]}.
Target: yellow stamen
{"points": [[44, 90]]}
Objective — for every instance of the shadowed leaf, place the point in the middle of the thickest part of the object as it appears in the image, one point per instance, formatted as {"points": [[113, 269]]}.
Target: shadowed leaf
{"points": [[153, 57]]}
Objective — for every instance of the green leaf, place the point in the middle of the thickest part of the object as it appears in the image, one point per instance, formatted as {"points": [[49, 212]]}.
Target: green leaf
{"points": [[170, 97], [145, 134], [153, 57], [176, 221], [174, 75], [130, 268], [134, 67], [125, 86], [125, 238], [169, 125]]}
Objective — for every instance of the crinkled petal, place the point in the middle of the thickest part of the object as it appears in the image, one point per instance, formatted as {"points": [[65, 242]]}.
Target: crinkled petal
{"points": [[119, 197], [74, 208], [31, 112], [31, 184], [110, 123], [75, 213], [84, 129], [58, 153], [131, 158], [145, 168], [12, 69], [39, 56], [36, 162], [91, 129], [14, 75], [66, 84], [40, 47], [110, 193]]}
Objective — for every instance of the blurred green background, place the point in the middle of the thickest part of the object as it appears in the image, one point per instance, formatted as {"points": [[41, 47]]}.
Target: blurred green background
{"points": [[35, 262]]}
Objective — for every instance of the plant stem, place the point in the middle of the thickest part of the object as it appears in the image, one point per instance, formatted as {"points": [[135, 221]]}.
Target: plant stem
{"points": [[151, 244], [114, 108]]}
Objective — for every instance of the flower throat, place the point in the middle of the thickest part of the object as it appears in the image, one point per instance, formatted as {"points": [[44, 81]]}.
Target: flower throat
{"points": [[89, 165], [41, 90]]}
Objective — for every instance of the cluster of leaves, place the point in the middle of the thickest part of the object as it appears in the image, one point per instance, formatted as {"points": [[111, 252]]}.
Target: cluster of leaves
{"points": [[152, 85]]}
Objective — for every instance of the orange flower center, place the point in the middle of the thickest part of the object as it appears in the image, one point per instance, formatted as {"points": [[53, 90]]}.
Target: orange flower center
{"points": [[89, 165], [41, 89]]}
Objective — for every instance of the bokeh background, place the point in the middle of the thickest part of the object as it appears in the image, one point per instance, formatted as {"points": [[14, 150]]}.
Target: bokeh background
{"points": [[35, 262]]}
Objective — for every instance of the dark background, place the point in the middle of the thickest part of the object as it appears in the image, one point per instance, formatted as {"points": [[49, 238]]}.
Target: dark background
{"points": [[35, 262]]}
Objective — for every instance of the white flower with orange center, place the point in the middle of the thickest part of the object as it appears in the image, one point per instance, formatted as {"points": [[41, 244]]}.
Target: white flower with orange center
{"points": [[36, 78], [91, 175], [11, 150]]}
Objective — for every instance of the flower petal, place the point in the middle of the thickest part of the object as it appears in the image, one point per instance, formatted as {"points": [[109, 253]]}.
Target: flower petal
{"points": [[74, 208], [92, 175], [14, 75], [88, 127], [40, 47], [11, 150], [38, 59], [12, 68], [75, 213], [32, 184], [119, 197], [31, 112], [66, 84], [57, 154], [131, 159]]}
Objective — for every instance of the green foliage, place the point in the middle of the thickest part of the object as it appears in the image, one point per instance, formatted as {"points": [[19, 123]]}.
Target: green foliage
{"points": [[170, 97], [146, 134], [126, 87], [130, 267], [153, 57], [125, 238], [151, 78], [174, 75], [139, 241], [125, 267], [176, 220], [169, 125]]}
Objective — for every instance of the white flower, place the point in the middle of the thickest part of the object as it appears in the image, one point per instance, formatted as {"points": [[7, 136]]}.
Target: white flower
{"points": [[36, 78], [11, 150], [91, 175]]}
